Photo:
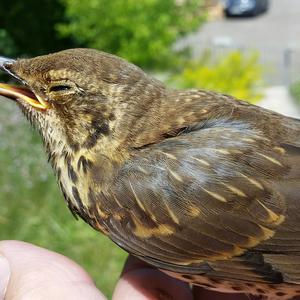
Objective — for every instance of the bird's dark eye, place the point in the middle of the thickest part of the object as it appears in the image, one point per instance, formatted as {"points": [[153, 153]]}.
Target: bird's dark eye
{"points": [[59, 88]]}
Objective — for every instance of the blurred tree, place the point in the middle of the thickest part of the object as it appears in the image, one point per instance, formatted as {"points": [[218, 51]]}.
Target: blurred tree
{"points": [[7, 45], [235, 73], [29, 26], [140, 31]]}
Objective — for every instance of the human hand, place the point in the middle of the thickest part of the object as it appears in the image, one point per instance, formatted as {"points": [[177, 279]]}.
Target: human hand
{"points": [[31, 272], [37, 273], [140, 281]]}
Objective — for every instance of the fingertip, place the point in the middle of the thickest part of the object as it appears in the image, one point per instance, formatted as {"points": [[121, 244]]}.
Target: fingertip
{"points": [[4, 275], [139, 281], [25, 256], [37, 273]]}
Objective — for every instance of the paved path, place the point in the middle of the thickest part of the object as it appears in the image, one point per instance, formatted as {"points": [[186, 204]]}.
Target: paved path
{"points": [[278, 99], [272, 34]]}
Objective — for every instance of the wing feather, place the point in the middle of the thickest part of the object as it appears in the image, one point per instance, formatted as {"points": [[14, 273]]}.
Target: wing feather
{"points": [[192, 201]]}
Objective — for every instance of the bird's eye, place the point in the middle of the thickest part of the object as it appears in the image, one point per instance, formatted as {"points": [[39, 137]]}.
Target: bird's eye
{"points": [[59, 88]]}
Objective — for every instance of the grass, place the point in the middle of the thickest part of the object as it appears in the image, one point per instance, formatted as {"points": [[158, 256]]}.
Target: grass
{"points": [[33, 210]]}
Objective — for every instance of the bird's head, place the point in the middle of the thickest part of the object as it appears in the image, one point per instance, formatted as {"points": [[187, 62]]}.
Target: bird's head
{"points": [[78, 96]]}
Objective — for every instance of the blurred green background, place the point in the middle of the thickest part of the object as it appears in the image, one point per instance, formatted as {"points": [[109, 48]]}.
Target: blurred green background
{"points": [[144, 32]]}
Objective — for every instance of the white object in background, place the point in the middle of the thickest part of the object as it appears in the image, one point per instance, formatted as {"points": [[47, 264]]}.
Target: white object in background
{"points": [[277, 98]]}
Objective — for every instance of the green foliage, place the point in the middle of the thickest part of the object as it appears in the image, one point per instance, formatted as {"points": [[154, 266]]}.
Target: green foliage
{"points": [[140, 31], [236, 74], [295, 91], [7, 45], [30, 26], [33, 210]]}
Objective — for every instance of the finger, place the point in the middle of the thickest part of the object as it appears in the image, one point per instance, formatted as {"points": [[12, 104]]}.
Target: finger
{"points": [[37, 273], [139, 281]]}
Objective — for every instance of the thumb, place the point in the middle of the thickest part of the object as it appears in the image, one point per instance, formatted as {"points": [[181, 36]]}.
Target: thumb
{"points": [[31, 272], [4, 275]]}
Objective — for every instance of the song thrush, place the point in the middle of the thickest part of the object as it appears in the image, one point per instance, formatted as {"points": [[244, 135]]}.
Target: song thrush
{"points": [[196, 183]]}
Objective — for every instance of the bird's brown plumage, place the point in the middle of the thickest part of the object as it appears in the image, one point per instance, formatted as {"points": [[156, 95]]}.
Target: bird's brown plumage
{"points": [[193, 182]]}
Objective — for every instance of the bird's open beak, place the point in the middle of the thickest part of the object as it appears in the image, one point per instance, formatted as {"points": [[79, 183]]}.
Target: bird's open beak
{"points": [[19, 92]]}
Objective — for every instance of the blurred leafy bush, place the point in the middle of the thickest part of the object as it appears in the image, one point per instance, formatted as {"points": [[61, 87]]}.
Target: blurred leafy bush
{"points": [[7, 44], [29, 27], [295, 91], [141, 31], [235, 73]]}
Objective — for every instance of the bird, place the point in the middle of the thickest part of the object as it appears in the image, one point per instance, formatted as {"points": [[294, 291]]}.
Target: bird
{"points": [[199, 184]]}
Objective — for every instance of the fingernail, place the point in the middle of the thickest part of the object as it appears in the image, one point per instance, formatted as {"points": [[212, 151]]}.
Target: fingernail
{"points": [[4, 275]]}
